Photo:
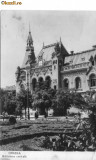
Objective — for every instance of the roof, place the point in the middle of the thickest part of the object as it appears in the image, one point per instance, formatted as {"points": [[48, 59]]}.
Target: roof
{"points": [[29, 40], [25, 61], [46, 52], [81, 57]]}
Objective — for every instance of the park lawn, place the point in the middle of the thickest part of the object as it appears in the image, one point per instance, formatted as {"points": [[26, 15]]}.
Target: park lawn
{"points": [[29, 135]]}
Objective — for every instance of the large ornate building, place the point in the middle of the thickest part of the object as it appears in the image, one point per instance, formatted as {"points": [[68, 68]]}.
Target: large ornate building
{"points": [[60, 69]]}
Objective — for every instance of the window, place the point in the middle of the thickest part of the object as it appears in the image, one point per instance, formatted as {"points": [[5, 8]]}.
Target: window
{"points": [[40, 63], [55, 87], [48, 81], [92, 63], [40, 81], [71, 61], [66, 83], [95, 57], [83, 58], [34, 83], [55, 81], [78, 83], [55, 62], [92, 80], [54, 67]]}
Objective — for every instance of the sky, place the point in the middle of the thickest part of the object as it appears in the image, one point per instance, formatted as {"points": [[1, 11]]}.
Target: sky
{"points": [[77, 30]]}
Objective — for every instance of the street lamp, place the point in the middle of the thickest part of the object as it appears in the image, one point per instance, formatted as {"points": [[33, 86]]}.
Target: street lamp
{"points": [[27, 96], [17, 74], [27, 92]]}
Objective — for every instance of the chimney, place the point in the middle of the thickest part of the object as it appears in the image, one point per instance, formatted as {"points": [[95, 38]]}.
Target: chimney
{"points": [[72, 52], [94, 47]]}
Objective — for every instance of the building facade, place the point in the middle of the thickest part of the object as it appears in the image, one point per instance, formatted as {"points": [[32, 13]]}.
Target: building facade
{"points": [[60, 69]]}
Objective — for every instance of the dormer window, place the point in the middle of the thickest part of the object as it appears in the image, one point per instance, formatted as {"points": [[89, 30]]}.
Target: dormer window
{"points": [[83, 58], [55, 67], [55, 62], [92, 79], [71, 61], [40, 63]]}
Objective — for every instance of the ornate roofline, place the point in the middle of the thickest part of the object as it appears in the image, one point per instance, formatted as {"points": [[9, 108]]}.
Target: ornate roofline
{"points": [[82, 52], [40, 67], [73, 71], [75, 67], [50, 45]]}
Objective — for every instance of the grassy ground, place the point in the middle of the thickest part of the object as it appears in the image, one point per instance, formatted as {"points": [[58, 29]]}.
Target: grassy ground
{"points": [[29, 135]]}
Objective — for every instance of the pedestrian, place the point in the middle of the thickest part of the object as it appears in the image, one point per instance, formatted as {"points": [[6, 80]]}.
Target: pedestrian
{"points": [[46, 115], [36, 115], [3, 115]]}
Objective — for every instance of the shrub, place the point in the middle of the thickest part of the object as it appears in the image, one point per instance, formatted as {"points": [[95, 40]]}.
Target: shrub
{"points": [[12, 120]]}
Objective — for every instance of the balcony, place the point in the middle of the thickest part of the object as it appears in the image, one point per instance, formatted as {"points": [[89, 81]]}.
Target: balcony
{"points": [[75, 67]]}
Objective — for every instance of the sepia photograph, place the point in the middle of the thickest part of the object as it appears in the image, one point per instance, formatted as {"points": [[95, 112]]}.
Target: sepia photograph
{"points": [[48, 81]]}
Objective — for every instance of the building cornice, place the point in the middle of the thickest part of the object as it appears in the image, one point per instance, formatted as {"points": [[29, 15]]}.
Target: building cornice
{"points": [[73, 71], [71, 68]]}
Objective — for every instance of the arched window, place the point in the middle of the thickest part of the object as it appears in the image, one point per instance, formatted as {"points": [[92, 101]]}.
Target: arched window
{"points": [[40, 80], [48, 81], [66, 84], [92, 80], [95, 57], [34, 82], [78, 83]]}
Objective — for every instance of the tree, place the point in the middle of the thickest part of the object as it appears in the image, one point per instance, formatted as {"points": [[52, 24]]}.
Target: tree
{"points": [[91, 100], [61, 103], [78, 100], [64, 100], [8, 101], [2, 99], [42, 99], [44, 85], [24, 100]]}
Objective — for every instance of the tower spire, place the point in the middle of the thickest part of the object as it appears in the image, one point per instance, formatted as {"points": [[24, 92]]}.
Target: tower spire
{"points": [[60, 42], [30, 48], [29, 39], [29, 28]]}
